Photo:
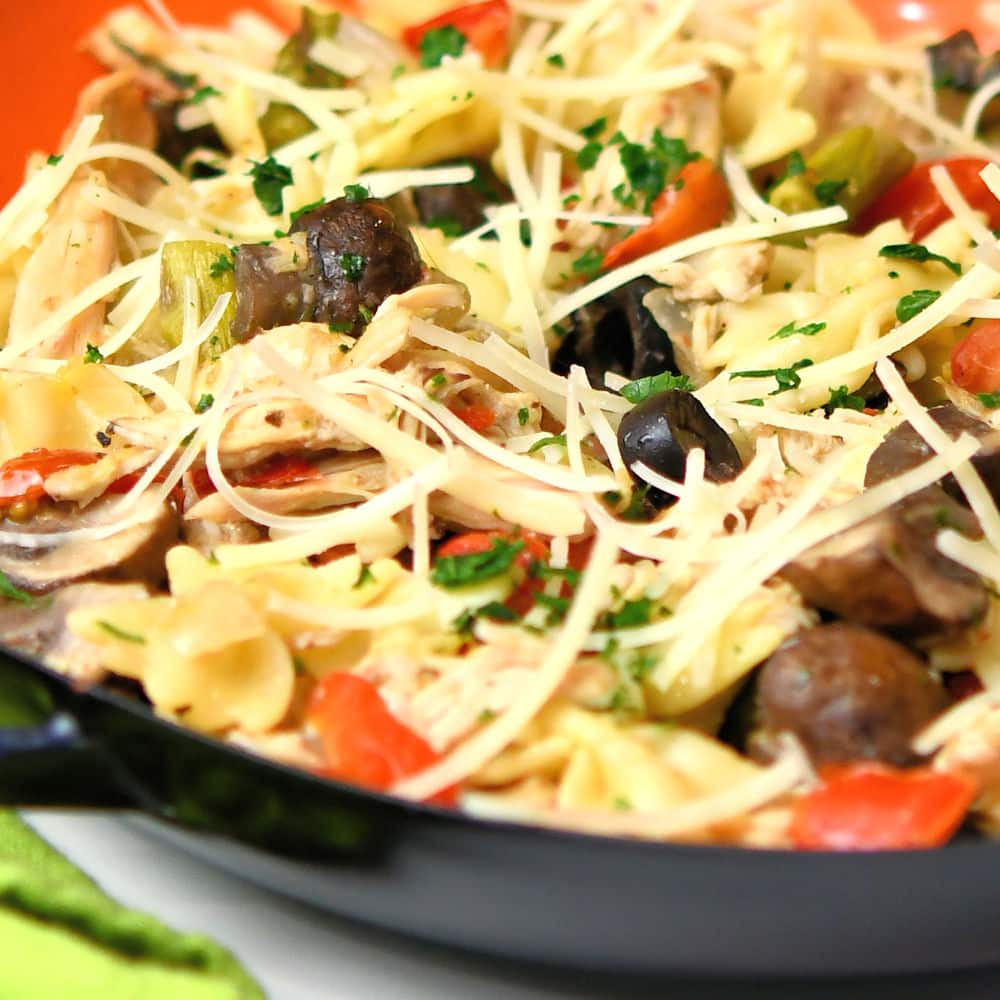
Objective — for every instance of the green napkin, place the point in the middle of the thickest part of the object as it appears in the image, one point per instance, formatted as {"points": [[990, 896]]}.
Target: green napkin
{"points": [[62, 937]]}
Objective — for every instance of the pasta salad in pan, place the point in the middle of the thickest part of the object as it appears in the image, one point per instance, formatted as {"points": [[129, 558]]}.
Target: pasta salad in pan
{"points": [[585, 414]]}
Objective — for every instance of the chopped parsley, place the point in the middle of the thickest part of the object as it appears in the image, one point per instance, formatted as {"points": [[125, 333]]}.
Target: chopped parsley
{"points": [[642, 388], [397, 71], [299, 212], [589, 262], [448, 225], [522, 415], [630, 615], [270, 178], [440, 42], [353, 265], [791, 330], [54, 159], [594, 129], [205, 401], [203, 94], [841, 399], [120, 633], [340, 326], [494, 611], [356, 192], [794, 167], [650, 168], [365, 575], [587, 157], [556, 60], [787, 378], [551, 439], [915, 303], [222, 263], [365, 313], [92, 355], [827, 191], [557, 606], [474, 567], [920, 254], [12, 592], [989, 399]]}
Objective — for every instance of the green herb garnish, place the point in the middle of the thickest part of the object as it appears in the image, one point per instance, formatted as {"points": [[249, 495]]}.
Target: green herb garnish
{"points": [[204, 403], [551, 439], [474, 567], [841, 399], [270, 178], [12, 592], [827, 191], [989, 399], [915, 303], [120, 633], [522, 415], [299, 212], [920, 254], [787, 378], [556, 60], [589, 262], [440, 42], [790, 330], [92, 355], [203, 94], [642, 388], [222, 264], [631, 614], [53, 159], [365, 575], [650, 168], [353, 265]]}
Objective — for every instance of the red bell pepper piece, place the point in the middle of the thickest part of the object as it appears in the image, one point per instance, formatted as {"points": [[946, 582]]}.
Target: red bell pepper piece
{"points": [[697, 201], [866, 806], [486, 27], [21, 478], [363, 742]]}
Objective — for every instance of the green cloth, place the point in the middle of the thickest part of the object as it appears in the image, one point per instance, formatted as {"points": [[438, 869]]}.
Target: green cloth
{"points": [[61, 936]]}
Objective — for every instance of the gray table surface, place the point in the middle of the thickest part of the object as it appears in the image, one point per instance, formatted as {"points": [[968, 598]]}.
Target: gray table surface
{"points": [[299, 953]]}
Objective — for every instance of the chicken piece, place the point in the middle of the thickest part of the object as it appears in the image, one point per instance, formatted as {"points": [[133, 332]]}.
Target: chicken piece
{"points": [[312, 349], [206, 536], [85, 483], [40, 629], [121, 102], [734, 273], [344, 480], [79, 246]]}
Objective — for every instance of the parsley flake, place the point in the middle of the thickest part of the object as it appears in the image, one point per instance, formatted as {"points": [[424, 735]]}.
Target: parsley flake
{"points": [[841, 399], [642, 388], [556, 60], [650, 168], [353, 266], [991, 400], [357, 192], [205, 401], [920, 254], [474, 567], [587, 157], [92, 355], [12, 592], [120, 633], [787, 378], [790, 330], [551, 439], [54, 159], [589, 262], [270, 178], [915, 303], [440, 42], [827, 191], [630, 615], [203, 94], [522, 416], [299, 212], [222, 263]]}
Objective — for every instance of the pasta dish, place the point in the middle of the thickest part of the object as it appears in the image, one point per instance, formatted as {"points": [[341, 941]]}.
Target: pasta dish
{"points": [[579, 413]]}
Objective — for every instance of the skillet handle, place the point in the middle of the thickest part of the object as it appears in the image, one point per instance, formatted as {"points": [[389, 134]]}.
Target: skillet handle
{"points": [[52, 764]]}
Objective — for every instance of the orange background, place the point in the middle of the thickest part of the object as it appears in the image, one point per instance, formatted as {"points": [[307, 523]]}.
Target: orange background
{"points": [[45, 69]]}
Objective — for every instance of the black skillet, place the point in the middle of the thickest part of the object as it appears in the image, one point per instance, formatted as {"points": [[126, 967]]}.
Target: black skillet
{"points": [[505, 889]]}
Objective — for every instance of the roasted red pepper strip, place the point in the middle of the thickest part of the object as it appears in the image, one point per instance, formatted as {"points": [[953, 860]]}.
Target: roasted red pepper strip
{"points": [[271, 474], [479, 418], [940, 18], [698, 200], [865, 807], [486, 27], [975, 360], [21, 478], [915, 201], [363, 742]]}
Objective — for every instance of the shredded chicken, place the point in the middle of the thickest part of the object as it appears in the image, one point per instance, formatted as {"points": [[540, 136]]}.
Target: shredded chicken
{"points": [[733, 273]]}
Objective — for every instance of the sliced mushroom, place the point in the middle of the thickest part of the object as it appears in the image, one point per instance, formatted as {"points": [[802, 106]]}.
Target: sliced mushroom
{"points": [[848, 693], [39, 629], [905, 449], [959, 69], [454, 206], [134, 553], [616, 333], [886, 572]]}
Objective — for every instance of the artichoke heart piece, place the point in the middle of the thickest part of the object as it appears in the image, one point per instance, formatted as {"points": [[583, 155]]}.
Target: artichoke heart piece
{"points": [[205, 270], [283, 123], [852, 168]]}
